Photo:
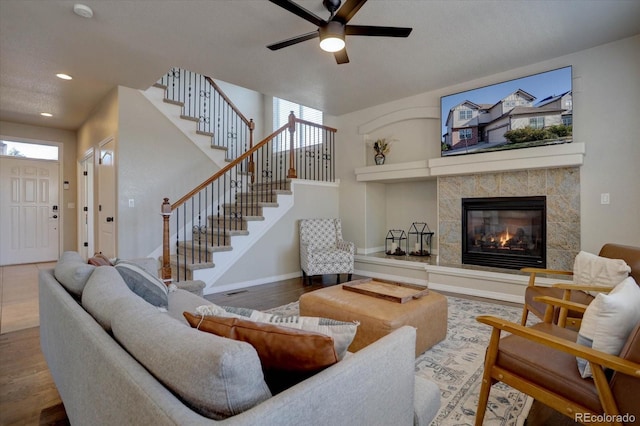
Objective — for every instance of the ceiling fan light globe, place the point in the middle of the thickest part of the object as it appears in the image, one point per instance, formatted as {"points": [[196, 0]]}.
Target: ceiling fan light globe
{"points": [[332, 37], [332, 44]]}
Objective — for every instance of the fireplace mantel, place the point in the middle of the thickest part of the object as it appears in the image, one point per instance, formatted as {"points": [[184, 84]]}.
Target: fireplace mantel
{"points": [[542, 157]]}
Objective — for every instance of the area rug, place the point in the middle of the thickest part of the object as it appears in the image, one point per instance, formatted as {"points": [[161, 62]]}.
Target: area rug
{"points": [[456, 365]]}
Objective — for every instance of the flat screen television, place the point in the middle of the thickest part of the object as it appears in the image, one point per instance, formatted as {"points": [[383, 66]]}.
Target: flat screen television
{"points": [[525, 112]]}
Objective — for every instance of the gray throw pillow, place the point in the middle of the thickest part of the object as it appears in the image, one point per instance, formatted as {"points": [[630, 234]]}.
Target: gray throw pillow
{"points": [[144, 284]]}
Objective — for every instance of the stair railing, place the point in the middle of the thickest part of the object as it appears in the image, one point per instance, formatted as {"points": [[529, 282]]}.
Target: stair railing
{"points": [[216, 115], [221, 206]]}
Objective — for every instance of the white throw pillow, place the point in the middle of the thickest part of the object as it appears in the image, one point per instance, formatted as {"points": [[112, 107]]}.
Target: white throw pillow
{"points": [[608, 320], [589, 269]]}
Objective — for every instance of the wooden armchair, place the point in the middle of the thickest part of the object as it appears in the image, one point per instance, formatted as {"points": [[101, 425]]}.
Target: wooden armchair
{"points": [[573, 292], [541, 361]]}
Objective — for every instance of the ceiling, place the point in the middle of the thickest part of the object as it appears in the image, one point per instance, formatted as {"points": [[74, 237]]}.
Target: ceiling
{"points": [[133, 42]]}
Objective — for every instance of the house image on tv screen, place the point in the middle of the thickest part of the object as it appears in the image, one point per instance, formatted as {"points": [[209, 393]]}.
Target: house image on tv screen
{"points": [[515, 121]]}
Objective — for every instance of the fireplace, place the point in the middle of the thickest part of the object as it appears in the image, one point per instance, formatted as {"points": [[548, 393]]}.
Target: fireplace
{"points": [[504, 232]]}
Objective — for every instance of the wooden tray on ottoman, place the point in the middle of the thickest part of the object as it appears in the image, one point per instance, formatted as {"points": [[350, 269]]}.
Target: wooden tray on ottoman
{"points": [[388, 290]]}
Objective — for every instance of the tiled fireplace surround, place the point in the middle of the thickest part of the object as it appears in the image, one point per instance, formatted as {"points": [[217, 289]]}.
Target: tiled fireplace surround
{"points": [[560, 185]]}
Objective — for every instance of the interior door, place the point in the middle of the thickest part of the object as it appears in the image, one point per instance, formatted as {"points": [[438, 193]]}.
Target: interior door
{"points": [[107, 200], [30, 211]]}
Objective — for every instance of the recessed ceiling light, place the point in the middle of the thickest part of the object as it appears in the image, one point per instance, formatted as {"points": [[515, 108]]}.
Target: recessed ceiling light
{"points": [[46, 114], [64, 76], [82, 10]]}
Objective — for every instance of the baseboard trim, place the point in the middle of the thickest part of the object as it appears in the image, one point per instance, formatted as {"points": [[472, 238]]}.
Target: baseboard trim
{"points": [[251, 283]]}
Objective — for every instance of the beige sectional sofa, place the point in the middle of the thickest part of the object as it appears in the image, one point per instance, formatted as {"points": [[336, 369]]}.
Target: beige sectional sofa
{"points": [[117, 359]]}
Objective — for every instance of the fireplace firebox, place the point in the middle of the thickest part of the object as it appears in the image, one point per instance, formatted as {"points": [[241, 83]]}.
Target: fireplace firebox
{"points": [[504, 232]]}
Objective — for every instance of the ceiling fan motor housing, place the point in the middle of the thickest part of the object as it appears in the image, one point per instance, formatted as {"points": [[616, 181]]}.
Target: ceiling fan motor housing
{"points": [[331, 5]]}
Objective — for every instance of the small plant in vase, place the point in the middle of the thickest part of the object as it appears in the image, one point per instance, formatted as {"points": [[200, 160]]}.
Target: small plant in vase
{"points": [[381, 147]]}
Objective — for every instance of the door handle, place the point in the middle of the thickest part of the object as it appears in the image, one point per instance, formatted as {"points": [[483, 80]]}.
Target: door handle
{"points": [[55, 216], [110, 219]]}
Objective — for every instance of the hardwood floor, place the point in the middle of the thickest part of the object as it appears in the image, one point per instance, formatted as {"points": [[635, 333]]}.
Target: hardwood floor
{"points": [[28, 395]]}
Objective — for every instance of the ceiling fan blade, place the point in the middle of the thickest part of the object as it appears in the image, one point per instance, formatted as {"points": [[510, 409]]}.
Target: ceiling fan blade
{"points": [[293, 40], [370, 30], [348, 9], [300, 11], [341, 56]]}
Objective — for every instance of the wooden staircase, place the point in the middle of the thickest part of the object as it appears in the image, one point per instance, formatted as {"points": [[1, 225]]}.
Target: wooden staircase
{"points": [[218, 221], [221, 231]]}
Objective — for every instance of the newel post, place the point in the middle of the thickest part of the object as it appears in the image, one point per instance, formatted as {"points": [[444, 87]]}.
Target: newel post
{"points": [[165, 210], [292, 128]]}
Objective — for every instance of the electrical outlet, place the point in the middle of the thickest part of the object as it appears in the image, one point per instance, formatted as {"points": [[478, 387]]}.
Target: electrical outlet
{"points": [[131, 203], [604, 198]]}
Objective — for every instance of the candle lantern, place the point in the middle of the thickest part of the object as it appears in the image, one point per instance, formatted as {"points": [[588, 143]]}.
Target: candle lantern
{"points": [[419, 240], [396, 243]]}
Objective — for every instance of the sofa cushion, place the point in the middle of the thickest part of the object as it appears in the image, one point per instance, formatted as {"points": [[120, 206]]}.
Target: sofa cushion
{"points": [[288, 356], [609, 320], [143, 283], [182, 300], [341, 332], [590, 269], [104, 292], [216, 377], [73, 272]]}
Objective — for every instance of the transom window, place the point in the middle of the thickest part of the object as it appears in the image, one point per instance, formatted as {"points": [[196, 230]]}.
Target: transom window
{"points": [[28, 150]]}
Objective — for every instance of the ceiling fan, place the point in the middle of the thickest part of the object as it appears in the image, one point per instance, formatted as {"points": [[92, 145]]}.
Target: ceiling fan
{"points": [[332, 32]]}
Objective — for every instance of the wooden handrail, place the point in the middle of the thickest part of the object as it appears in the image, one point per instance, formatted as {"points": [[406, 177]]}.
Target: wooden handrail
{"points": [[227, 100], [242, 157], [226, 168]]}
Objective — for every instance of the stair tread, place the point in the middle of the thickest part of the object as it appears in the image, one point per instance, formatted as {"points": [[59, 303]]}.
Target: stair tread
{"points": [[189, 264], [188, 117], [171, 101]]}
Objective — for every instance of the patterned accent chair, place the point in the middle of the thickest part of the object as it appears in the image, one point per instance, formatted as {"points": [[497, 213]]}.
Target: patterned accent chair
{"points": [[322, 249]]}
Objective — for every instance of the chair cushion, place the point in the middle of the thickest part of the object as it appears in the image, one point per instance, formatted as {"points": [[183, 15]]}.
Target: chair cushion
{"points": [[288, 356], [609, 320], [551, 369], [538, 308]]}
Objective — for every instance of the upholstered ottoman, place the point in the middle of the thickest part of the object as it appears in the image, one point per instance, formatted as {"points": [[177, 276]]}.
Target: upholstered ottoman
{"points": [[379, 317]]}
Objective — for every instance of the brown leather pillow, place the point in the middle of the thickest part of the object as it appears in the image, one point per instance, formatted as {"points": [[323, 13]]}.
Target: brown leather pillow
{"points": [[99, 259], [288, 355]]}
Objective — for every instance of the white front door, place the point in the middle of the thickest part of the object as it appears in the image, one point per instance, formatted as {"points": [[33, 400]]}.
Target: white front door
{"points": [[30, 211], [107, 200]]}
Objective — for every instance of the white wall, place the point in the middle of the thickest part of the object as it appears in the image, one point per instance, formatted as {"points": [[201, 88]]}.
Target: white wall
{"points": [[155, 160], [606, 97]]}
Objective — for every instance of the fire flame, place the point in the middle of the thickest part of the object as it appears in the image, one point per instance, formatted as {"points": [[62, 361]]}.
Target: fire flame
{"points": [[504, 238]]}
